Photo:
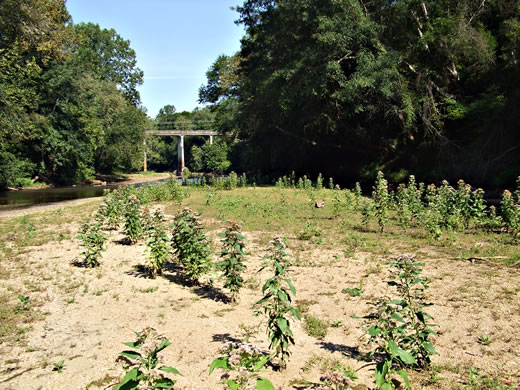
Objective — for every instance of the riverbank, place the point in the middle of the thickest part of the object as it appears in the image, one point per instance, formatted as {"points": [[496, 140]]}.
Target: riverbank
{"points": [[36, 208]]}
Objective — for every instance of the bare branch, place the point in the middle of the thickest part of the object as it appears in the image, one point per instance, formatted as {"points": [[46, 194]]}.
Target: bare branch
{"points": [[347, 56], [477, 12]]}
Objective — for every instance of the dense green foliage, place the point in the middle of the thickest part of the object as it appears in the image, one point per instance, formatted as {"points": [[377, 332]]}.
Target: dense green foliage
{"points": [[68, 100], [232, 258], [162, 151], [276, 305], [190, 244], [349, 87]]}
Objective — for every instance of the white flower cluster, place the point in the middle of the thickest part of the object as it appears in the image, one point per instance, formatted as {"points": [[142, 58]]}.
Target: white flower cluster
{"points": [[240, 354]]}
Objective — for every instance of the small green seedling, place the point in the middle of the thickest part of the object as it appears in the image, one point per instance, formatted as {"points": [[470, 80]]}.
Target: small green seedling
{"points": [[58, 367], [484, 340], [24, 304]]}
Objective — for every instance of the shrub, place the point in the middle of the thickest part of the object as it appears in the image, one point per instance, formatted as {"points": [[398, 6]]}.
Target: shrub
{"points": [[511, 213], [190, 244], [276, 303], [133, 221], [232, 258], [381, 200], [401, 328], [92, 240], [157, 245]]}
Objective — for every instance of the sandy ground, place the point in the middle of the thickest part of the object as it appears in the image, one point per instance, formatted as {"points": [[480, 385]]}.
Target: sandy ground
{"points": [[88, 313]]}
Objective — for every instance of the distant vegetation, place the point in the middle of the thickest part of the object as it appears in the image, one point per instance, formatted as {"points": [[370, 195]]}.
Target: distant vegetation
{"points": [[343, 87], [69, 105], [349, 87]]}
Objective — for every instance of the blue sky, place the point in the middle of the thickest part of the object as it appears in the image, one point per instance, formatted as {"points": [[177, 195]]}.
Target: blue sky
{"points": [[176, 41]]}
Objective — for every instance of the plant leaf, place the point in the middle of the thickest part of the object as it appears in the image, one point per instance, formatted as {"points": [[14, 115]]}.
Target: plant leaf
{"points": [[171, 370], [397, 317], [261, 363], [164, 383], [129, 381], [404, 375], [283, 296], [406, 357], [163, 345], [430, 348], [381, 371], [219, 363], [289, 283], [264, 384], [233, 385], [130, 354]]}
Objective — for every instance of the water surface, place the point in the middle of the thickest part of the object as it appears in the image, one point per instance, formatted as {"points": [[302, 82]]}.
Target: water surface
{"points": [[10, 200]]}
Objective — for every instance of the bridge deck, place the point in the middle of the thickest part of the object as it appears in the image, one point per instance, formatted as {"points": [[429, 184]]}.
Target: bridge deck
{"points": [[180, 132]]}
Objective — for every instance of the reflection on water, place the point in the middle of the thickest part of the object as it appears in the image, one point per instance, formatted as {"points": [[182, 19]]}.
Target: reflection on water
{"points": [[21, 199]]}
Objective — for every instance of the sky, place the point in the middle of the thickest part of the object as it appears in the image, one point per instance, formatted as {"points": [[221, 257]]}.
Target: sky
{"points": [[175, 41]]}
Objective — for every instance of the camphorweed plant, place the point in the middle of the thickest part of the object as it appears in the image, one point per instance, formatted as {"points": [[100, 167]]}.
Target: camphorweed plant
{"points": [[232, 258], [145, 363], [243, 362], [414, 196], [358, 193], [511, 213], [401, 328], [111, 209], [337, 205], [157, 245], [335, 380], [380, 203], [133, 222], [319, 182], [92, 239], [190, 244], [404, 214], [276, 303], [381, 200]]}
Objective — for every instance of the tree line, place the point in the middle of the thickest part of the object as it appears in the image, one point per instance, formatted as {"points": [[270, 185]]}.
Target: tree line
{"points": [[69, 105], [341, 87], [350, 87]]}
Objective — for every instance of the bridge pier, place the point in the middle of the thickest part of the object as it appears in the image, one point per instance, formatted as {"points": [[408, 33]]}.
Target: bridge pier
{"points": [[180, 154], [180, 145], [145, 166]]}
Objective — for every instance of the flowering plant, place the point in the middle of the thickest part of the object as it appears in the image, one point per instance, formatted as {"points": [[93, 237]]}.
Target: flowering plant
{"points": [[246, 360], [145, 363], [335, 380]]}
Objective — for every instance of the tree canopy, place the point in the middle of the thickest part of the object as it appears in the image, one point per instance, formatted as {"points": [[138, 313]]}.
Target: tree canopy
{"points": [[68, 100], [348, 87]]}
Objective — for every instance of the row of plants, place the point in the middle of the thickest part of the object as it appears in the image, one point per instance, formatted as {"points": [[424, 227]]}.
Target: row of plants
{"points": [[436, 209], [241, 361], [399, 328], [443, 208], [125, 207]]}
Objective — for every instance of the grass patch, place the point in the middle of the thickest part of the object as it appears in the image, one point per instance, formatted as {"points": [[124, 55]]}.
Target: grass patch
{"points": [[315, 327]]}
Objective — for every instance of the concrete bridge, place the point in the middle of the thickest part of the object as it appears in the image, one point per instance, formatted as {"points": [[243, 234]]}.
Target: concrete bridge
{"points": [[180, 145]]}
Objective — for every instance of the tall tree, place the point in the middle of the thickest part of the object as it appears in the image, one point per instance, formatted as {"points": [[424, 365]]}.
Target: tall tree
{"points": [[106, 54], [348, 86]]}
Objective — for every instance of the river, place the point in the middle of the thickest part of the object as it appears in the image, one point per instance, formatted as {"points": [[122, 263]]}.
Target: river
{"points": [[10, 200]]}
